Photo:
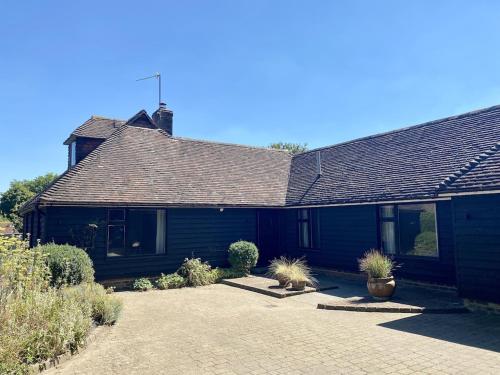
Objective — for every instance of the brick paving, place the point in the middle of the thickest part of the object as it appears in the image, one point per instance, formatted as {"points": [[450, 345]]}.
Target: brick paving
{"points": [[224, 330]]}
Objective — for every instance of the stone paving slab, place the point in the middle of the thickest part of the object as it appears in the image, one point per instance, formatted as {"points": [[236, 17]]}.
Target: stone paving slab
{"points": [[270, 287], [407, 299]]}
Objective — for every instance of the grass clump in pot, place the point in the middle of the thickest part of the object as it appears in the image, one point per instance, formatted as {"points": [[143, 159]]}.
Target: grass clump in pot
{"points": [[376, 264], [291, 271]]}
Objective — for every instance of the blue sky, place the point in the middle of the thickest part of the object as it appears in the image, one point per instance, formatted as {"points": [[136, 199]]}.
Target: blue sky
{"points": [[250, 72]]}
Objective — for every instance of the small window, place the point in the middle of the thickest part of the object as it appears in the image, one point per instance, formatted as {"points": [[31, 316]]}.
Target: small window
{"points": [[409, 230], [72, 153], [308, 227]]}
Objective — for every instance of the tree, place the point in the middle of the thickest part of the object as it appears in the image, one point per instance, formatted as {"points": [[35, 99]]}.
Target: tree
{"points": [[19, 193], [292, 148]]}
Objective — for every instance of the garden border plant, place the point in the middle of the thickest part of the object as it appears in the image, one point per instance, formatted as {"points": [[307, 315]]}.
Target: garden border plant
{"points": [[39, 321]]}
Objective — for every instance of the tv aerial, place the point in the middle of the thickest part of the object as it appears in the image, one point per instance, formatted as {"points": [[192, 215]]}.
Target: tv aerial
{"points": [[158, 77]]}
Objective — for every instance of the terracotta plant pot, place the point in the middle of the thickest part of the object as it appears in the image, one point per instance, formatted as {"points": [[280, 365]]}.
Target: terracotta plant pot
{"points": [[381, 288], [282, 280], [298, 285]]}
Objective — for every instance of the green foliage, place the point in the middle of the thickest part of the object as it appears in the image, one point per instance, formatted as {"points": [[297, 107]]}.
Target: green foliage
{"points": [[39, 325], [219, 274], [376, 264], [19, 193], [292, 148], [243, 255], [38, 322], [291, 270], [105, 307], [68, 264], [21, 268], [142, 285], [425, 244], [195, 272], [170, 281]]}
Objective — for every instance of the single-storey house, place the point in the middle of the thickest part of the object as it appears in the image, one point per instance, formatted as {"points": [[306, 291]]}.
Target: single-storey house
{"points": [[140, 200]]}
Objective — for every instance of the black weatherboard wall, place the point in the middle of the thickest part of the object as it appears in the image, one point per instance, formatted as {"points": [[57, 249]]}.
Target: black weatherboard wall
{"points": [[477, 242], [346, 232], [204, 233]]}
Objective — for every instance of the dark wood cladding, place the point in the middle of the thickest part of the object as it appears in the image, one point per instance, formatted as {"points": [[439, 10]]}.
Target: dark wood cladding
{"points": [[85, 146], [477, 242], [203, 233], [347, 232]]}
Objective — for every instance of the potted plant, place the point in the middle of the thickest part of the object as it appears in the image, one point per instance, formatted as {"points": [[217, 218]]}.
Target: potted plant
{"points": [[381, 284], [279, 269]]}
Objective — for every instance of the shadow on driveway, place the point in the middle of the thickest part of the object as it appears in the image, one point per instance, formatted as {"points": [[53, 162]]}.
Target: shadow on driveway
{"points": [[476, 329]]}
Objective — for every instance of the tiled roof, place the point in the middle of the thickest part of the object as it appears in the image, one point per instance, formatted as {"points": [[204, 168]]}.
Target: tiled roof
{"points": [[96, 127], [410, 163], [480, 174], [139, 166]]}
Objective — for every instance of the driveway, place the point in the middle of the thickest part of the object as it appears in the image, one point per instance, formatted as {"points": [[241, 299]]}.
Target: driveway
{"points": [[219, 329]]}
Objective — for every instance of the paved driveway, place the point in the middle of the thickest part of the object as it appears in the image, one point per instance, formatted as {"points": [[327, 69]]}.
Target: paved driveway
{"points": [[223, 330]]}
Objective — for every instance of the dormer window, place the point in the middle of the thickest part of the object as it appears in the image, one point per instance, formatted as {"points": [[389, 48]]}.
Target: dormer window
{"points": [[72, 154]]}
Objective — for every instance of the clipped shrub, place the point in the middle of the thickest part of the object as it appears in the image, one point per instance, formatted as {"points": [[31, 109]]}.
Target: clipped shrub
{"points": [[195, 272], [219, 274], [105, 306], [142, 284], [243, 255], [170, 281], [68, 264], [376, 264]]}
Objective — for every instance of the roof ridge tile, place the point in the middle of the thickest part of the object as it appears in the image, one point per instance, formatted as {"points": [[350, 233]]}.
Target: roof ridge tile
{"points": [[467, 167]]}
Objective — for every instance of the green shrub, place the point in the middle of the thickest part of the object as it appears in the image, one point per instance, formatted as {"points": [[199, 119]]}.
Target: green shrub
{"points": [[243, 255], [68, 264], [219, 274], [376, 264], [170, 281], [195, 272], [40, 325], [21, 268], [106, 307], [142, 284]]}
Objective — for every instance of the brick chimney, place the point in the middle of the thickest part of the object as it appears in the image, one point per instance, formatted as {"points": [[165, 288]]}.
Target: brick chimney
{"points": [[163, 118]]}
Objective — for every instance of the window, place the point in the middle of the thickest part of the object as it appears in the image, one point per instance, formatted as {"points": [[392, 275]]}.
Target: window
{"points": [[308, 227], [135, 232], [72, 154], [409, 229]]}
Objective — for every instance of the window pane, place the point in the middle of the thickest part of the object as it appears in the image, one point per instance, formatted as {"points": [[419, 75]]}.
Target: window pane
{"points": [[73, 153], [387, 212], [417, 230], [304, 234], [161, 231], [388, 237], [315, 228], [141, 232], [116, 240]]}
